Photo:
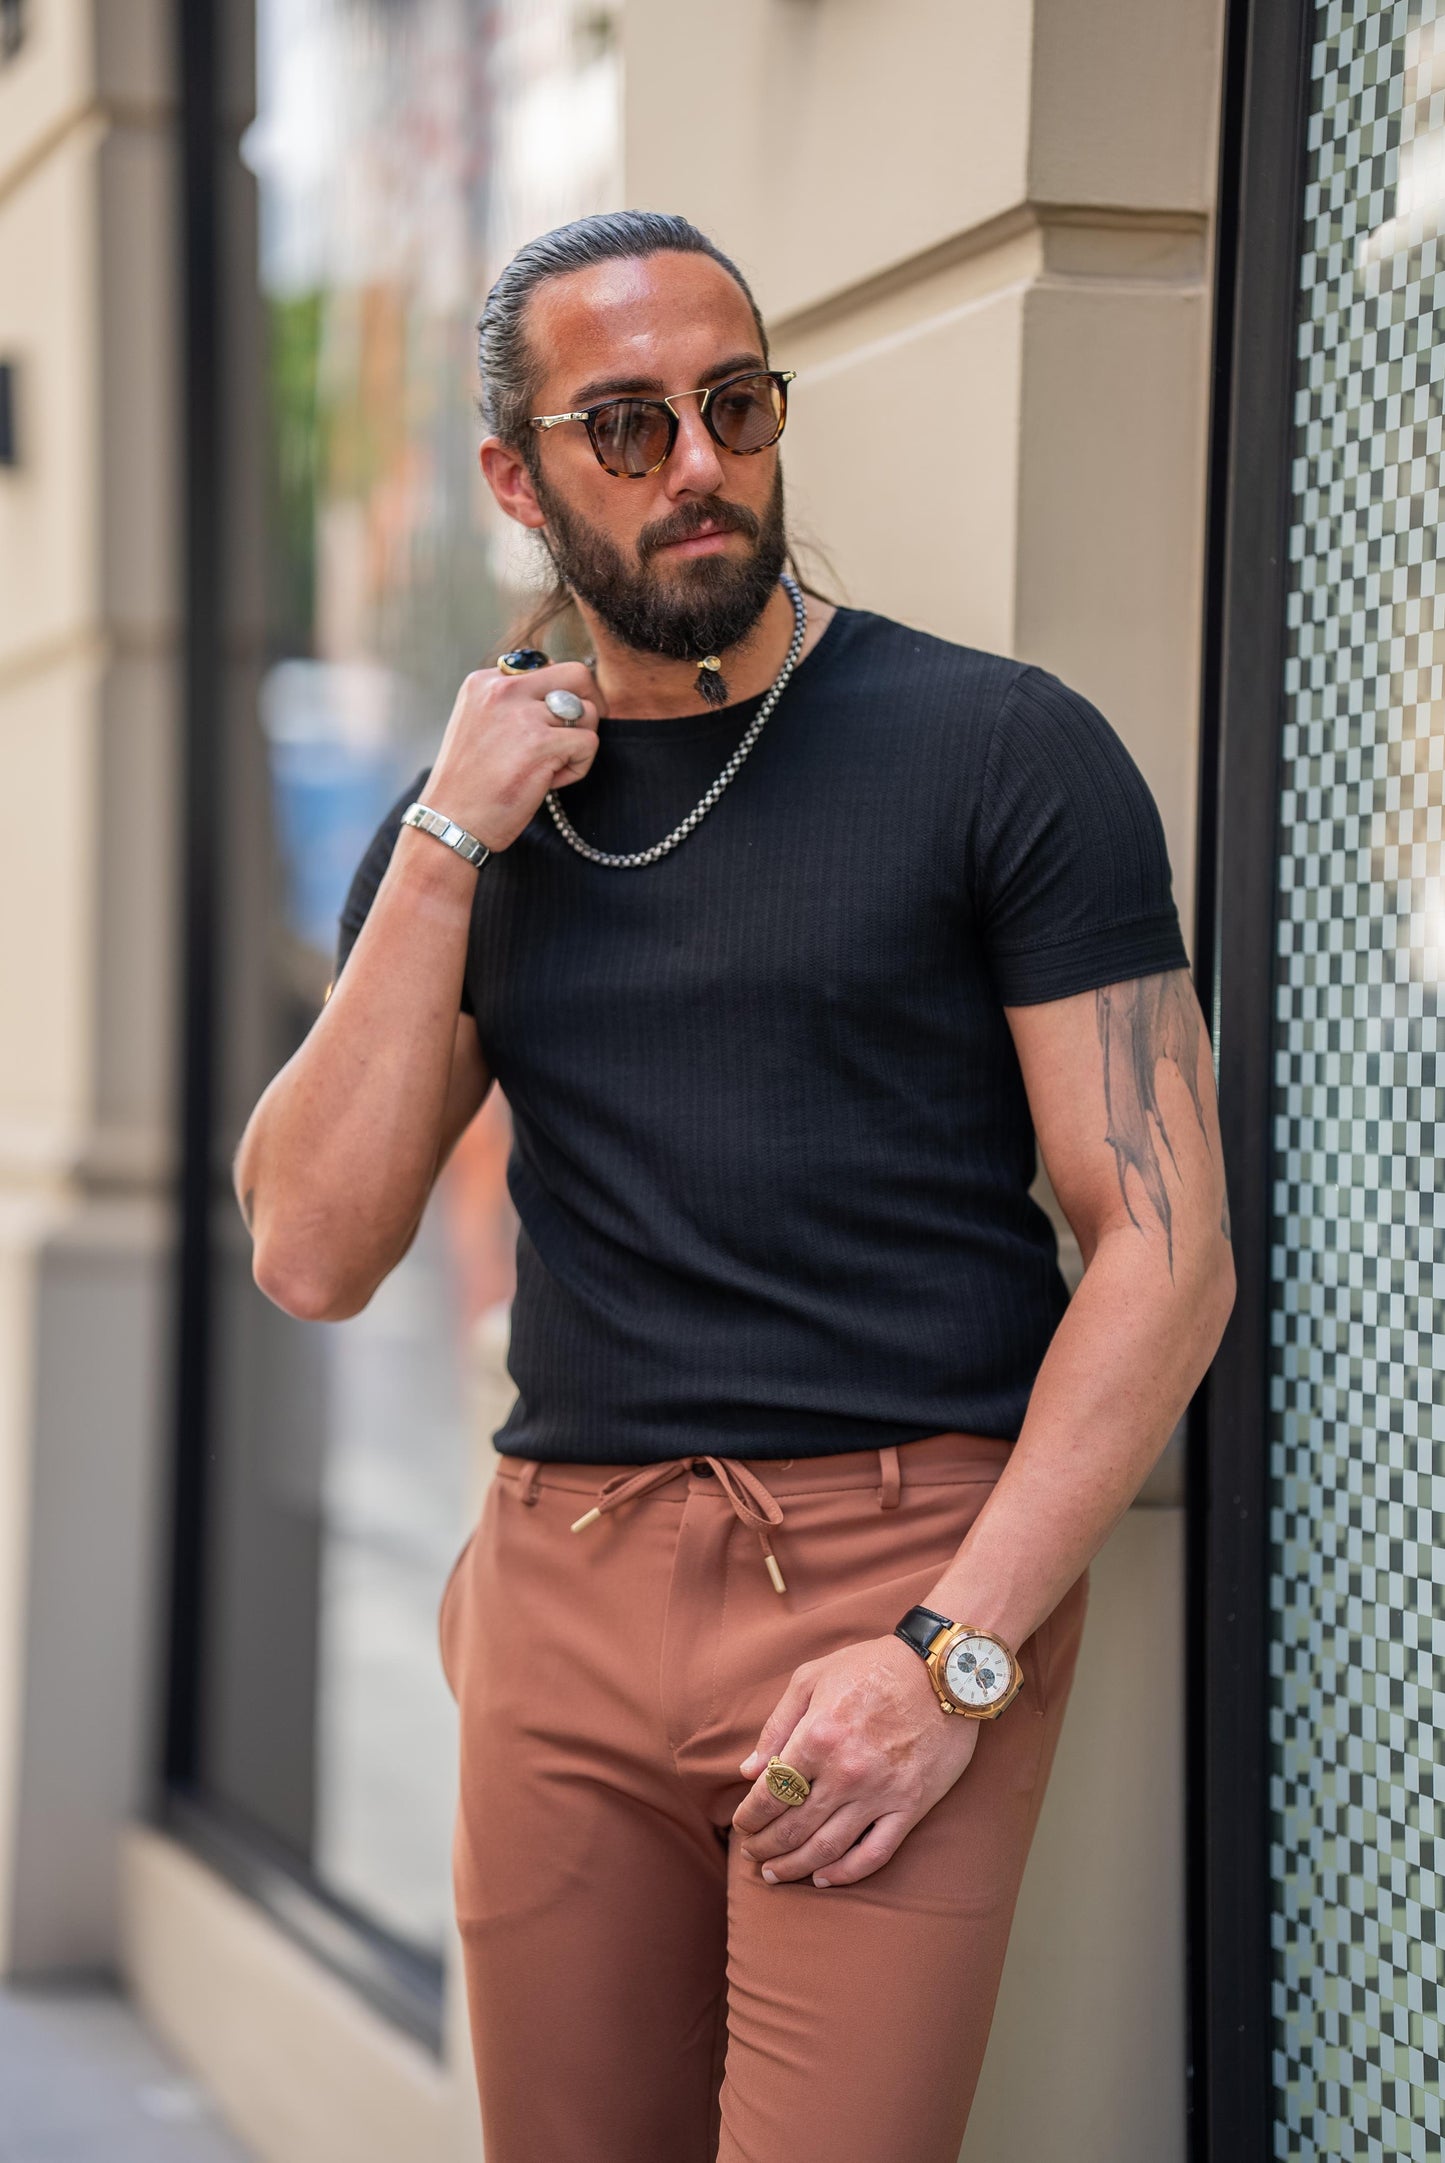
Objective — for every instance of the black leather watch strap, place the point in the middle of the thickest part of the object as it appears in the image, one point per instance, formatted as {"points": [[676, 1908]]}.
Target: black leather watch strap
{"points": [[919, 1627]]}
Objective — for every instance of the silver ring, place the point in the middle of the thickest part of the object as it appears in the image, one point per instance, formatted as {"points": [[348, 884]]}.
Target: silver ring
{"points": [[566, 706]]}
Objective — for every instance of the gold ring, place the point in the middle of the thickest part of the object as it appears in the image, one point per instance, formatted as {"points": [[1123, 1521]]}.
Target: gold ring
{"points": [[522, 660], [786, 1782]]}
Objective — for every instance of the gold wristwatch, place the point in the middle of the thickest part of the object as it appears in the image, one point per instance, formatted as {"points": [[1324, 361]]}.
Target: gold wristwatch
{"points": [[972, 1671]]}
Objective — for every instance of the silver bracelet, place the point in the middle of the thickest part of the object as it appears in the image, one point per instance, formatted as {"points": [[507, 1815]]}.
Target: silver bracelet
{"points": [[447, 830]]}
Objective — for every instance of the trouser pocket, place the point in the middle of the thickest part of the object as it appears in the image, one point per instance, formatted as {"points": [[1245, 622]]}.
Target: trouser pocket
{"points": [[443, 1609]]}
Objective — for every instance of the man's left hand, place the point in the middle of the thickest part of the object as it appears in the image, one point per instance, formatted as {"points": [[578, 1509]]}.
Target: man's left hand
{"points": [[864, 1727]]}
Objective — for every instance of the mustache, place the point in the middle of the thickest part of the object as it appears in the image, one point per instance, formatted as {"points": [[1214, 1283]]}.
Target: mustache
{"points": [[690, 518]]}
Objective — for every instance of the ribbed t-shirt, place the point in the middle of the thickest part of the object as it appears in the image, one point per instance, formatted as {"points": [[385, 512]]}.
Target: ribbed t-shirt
{"points": [[771, 1148]]}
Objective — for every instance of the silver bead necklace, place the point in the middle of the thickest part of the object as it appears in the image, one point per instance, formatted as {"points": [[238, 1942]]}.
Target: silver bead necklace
{"points": [[754, 729]]}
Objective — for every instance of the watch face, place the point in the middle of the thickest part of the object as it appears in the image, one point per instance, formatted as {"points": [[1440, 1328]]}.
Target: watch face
{"points": [[977, 1671]]}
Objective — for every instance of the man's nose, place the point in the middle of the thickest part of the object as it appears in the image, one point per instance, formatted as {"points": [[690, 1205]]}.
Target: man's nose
{"points": [[695, 467]]}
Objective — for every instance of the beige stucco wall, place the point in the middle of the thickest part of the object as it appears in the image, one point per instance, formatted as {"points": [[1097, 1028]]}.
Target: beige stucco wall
{"points": [[991, 221], [88, 915], [982, 236]]}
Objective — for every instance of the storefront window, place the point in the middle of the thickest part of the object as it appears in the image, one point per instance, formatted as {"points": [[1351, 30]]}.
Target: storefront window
{"points": [[397, 154]]}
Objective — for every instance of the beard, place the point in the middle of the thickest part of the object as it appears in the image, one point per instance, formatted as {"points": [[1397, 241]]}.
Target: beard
{"points": [[704, 606]]}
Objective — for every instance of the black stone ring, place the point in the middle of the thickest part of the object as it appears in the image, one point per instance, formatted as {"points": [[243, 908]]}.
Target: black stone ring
{"points": [[521, 659]]}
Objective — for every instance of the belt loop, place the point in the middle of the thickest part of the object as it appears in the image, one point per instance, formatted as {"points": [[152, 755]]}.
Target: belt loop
{"points": [[888, 1475], [527, 1484]]}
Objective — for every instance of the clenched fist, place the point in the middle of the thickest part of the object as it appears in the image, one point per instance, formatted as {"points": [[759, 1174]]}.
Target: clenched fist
{"points": [[503, 750]]}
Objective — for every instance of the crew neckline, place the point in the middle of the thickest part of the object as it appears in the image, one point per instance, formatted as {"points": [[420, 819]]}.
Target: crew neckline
{"points": [[676, 728]]}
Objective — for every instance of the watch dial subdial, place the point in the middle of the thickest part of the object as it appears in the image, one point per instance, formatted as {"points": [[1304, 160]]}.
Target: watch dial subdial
{"points": [[976, 1671]]}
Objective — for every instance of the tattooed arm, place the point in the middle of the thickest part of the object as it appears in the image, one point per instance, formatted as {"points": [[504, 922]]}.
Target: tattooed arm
{"points": [[1153, 1018], [1121, 1087]]}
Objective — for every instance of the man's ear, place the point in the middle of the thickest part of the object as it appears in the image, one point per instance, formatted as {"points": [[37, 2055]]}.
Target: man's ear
{"points": [[505, 473]]}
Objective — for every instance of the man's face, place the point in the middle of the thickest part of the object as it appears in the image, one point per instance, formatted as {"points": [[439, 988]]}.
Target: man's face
{"points": [[683, 561]]}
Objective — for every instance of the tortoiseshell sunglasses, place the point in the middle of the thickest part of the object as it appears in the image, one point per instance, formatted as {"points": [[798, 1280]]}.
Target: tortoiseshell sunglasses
{"points": [[632, 437]]}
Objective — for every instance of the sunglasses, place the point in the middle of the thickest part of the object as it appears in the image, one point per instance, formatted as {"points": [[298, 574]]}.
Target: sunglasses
{"points": [[632, 437]]}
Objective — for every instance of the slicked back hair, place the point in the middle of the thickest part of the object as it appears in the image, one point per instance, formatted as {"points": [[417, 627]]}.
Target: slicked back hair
{"points": [[509, 369]]}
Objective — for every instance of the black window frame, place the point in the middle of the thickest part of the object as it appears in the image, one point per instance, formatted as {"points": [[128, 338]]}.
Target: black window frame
{"points": [[406, 1986], [1259, 222]]}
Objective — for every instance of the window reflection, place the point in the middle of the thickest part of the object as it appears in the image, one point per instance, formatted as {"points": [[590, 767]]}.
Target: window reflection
{"points": [[399, 152]]}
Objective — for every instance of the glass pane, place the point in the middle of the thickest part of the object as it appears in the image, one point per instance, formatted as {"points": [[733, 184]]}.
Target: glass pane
{"points": [[395, 157], [1357, 1419]]}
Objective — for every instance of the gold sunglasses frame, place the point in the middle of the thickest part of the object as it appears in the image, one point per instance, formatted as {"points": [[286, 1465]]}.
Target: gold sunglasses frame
{"points": [[587, 415]]}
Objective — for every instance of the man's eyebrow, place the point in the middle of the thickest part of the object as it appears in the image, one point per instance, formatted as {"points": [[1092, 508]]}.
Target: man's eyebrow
{"points": [[653, 386]]}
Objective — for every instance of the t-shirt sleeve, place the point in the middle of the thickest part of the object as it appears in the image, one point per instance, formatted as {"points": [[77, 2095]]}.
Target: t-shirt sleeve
{"points": [[368, 877], [1072, 885]]}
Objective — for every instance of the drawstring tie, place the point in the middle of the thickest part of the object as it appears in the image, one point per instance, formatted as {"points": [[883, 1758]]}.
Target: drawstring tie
{"points": [[752, 1503]]}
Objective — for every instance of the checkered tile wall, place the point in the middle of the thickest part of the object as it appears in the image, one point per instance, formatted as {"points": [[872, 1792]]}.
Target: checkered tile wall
{"points": [[1357, 1422]]}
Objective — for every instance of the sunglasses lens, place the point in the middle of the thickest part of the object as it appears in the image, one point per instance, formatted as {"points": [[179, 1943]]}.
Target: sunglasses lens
{"points": [[631, 435], [747, 415]]}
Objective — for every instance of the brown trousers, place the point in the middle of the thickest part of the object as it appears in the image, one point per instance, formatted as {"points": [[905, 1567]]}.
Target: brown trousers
{"points": [[635, 1986]]}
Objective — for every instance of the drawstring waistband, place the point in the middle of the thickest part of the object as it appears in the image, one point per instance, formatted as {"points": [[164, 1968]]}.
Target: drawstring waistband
{"points": [[752, 1502]]}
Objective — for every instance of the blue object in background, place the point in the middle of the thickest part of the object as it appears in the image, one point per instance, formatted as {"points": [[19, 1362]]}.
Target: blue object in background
{"points": [[337, 762]]}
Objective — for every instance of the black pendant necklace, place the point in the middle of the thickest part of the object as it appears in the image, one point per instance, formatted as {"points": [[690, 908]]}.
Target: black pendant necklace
{"points": [[711, 683]]}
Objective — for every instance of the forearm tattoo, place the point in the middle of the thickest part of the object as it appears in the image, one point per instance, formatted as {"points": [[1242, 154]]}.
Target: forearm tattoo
{"points": [[1140, 1023]]}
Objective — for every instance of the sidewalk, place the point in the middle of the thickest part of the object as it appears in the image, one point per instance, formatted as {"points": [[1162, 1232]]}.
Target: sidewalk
{"points": [[83, 2081]]}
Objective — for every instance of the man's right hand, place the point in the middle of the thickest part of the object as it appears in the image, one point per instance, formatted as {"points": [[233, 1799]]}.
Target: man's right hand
{"points": [[340, 1153], [502, 750]]}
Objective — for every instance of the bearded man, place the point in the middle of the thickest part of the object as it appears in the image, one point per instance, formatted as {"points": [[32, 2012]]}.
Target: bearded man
{"points": [[788, 932]]}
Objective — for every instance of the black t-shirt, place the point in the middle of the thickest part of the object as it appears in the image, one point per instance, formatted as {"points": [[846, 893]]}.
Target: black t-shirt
{"points": [[771, 1145]]}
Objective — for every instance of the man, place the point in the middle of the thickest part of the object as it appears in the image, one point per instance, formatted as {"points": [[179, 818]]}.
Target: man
{"points": [[780, 997]]}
